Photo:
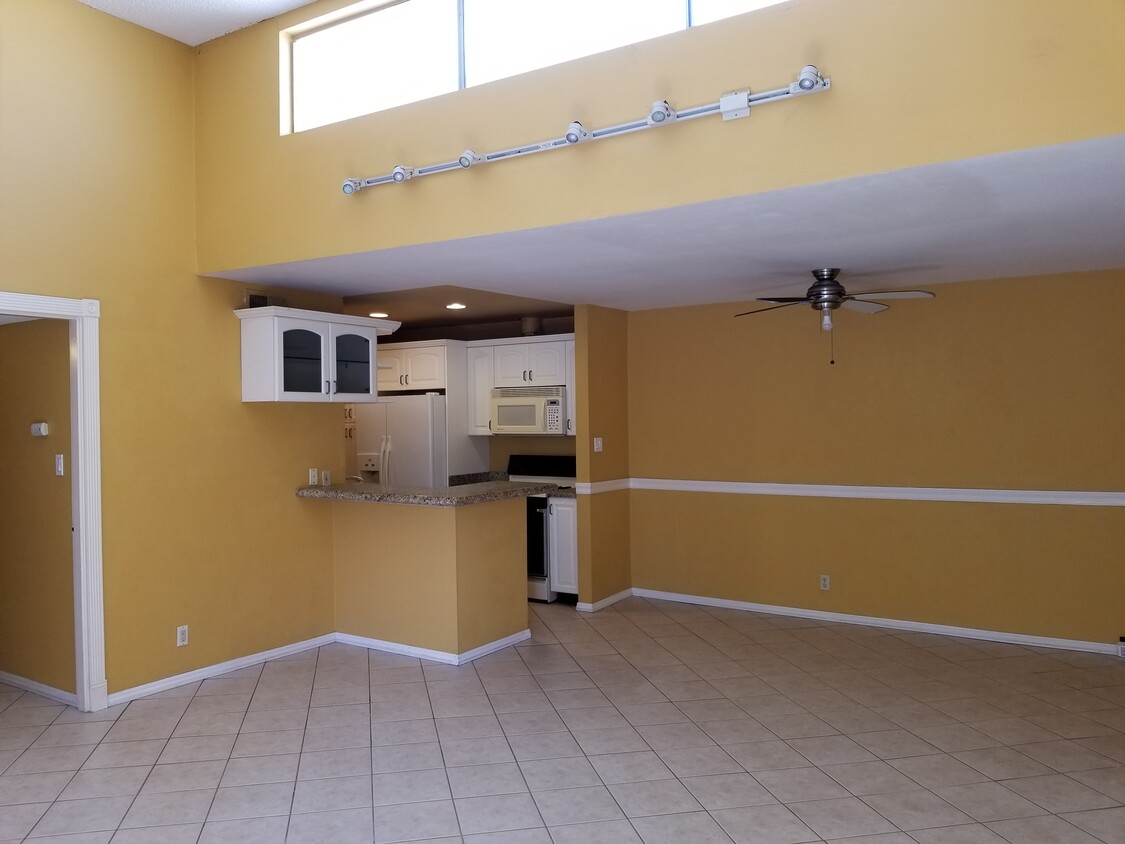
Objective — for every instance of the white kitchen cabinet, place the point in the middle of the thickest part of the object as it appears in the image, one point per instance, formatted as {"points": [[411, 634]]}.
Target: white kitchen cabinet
{"points": [[480, 366], [571, 392], [530, 364], [562, 544], [412, 368], [308, 356]]}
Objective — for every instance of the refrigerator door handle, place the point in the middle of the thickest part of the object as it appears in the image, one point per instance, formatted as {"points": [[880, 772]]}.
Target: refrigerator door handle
{"points": [[385, 466]]}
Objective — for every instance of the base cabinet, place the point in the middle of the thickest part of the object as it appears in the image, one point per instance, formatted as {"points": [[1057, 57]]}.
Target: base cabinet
{"points": [[562, 544]]}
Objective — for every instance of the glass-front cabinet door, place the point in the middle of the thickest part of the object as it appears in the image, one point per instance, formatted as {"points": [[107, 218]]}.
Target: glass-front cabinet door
{"points": [[354, 362], [304, 360]]}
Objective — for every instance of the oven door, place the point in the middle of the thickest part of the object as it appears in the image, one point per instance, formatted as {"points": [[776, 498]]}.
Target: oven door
{"points": [[537, 557]]}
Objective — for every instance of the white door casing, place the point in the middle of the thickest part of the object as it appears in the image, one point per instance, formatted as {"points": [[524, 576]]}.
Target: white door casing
{"points": [[86, 498]]}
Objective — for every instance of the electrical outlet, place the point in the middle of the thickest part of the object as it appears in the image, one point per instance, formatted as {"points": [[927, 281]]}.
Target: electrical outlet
{"points": [[325, 477], [825, 582], [597, 444], [313, 477], [181, 635]]}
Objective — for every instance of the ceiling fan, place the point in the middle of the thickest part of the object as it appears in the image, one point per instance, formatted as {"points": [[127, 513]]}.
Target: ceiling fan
{"points": [[827, 294]]}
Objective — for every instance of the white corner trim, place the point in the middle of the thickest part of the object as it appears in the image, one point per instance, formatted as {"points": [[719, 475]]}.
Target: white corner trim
{"points": [[209, 671], [41, 689], [603, 486], [434, 656], [896, 624], [887, 493], [604, 602]]}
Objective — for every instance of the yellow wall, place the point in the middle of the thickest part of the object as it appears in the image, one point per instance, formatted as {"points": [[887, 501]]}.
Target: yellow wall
{"points": [[130, 162], [491, 572], [601, 363], [36, 562], [913, 83], [201, 526], [1007, 384]]}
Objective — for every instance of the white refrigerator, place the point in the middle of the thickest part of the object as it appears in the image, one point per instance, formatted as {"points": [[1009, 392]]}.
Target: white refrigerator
{"points": [[404, 439]]}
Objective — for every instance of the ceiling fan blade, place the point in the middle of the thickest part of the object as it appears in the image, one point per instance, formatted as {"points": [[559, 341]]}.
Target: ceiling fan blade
{"points": [[863, 307], [774, 308], [893, 294], [789, 300]]}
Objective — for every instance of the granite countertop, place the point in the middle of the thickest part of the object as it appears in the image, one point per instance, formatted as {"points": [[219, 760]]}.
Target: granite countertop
{"points": [[447, 496]]}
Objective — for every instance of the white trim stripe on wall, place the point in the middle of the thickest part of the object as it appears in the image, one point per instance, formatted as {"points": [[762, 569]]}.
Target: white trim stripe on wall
{"points": [[881, 493]]}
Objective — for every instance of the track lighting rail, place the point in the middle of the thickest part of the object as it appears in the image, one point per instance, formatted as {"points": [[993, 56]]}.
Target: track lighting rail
{"points": [[731, 106]]}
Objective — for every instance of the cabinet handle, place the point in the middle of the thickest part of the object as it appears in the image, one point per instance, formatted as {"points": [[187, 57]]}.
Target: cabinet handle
{"points": [[490, 424], [407, 377], [325, 388], [530, 375], [569, 425], [525, 375], [401, 383], [335, 389]]}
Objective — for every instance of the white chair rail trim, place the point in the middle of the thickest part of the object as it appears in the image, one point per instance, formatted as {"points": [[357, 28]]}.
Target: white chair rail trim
{"points": [[883, 493]]}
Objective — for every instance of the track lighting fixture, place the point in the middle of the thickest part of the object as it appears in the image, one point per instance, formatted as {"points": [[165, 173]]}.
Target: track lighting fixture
{"points": [[808, 78], [731, 106], [469, 158], [575, 133], [661, 112]]}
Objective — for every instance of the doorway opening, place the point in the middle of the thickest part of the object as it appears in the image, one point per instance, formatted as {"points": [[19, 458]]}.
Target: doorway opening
{"points": [[85, 479]]}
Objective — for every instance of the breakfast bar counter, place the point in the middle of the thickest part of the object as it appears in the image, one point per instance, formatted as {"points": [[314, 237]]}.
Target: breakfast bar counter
{"points": [[435, 573]]}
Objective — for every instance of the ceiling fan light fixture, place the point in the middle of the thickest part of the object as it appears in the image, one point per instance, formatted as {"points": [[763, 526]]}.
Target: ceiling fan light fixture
{"points": [[826, 319]]}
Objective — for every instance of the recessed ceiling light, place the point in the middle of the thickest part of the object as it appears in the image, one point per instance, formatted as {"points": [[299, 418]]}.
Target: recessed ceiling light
{"points": [[379, 315], [456, 306]]}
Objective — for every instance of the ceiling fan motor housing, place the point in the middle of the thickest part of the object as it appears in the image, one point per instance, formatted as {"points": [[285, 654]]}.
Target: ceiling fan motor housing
{"points": [[826, 293]]}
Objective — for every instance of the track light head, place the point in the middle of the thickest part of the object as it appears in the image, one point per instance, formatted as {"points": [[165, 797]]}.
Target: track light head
{"points": [[660, 112], [469, 158], [402, 174], [350, 186], [808, 78], [576, 133]]}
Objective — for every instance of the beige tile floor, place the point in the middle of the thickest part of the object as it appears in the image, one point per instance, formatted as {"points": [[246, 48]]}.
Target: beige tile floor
{"points": [[648, 722]]}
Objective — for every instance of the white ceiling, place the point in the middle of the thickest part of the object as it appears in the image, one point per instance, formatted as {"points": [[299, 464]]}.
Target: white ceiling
{"points": [[195, 21], [1038, 211]]}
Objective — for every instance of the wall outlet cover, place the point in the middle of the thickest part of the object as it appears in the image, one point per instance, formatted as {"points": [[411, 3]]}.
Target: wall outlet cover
{"points": [[313, 477]]}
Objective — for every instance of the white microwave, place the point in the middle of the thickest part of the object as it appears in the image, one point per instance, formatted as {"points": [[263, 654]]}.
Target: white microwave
{"points": [[528, 410]]}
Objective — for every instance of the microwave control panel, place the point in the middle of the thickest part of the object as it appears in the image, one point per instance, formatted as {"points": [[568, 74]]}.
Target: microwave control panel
{"points": [[554, 420]]}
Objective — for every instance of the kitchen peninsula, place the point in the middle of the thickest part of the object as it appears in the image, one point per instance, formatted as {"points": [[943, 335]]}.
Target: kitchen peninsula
{"points": [[439, 573]]}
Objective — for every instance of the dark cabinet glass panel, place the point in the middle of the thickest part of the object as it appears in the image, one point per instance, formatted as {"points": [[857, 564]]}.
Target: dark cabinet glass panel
{"points": [[301, 366], [353, 364]]}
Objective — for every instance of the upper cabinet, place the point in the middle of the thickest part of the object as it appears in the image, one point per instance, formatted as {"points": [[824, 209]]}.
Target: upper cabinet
{"points": [[530, 364], [295, 355], [412, 368], [480, 361], [527, 362]]}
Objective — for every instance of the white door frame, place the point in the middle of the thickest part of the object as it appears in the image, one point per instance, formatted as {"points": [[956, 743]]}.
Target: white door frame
{"points": [[86, 484]]}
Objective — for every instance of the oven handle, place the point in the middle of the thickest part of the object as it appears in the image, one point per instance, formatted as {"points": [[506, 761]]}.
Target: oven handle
{"points": [[546, 546]]}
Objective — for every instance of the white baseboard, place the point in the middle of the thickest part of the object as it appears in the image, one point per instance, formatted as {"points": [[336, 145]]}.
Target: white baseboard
{"points": [[434, 656], [893, 623], [41, 689], [604, 602], [209, 671]]}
